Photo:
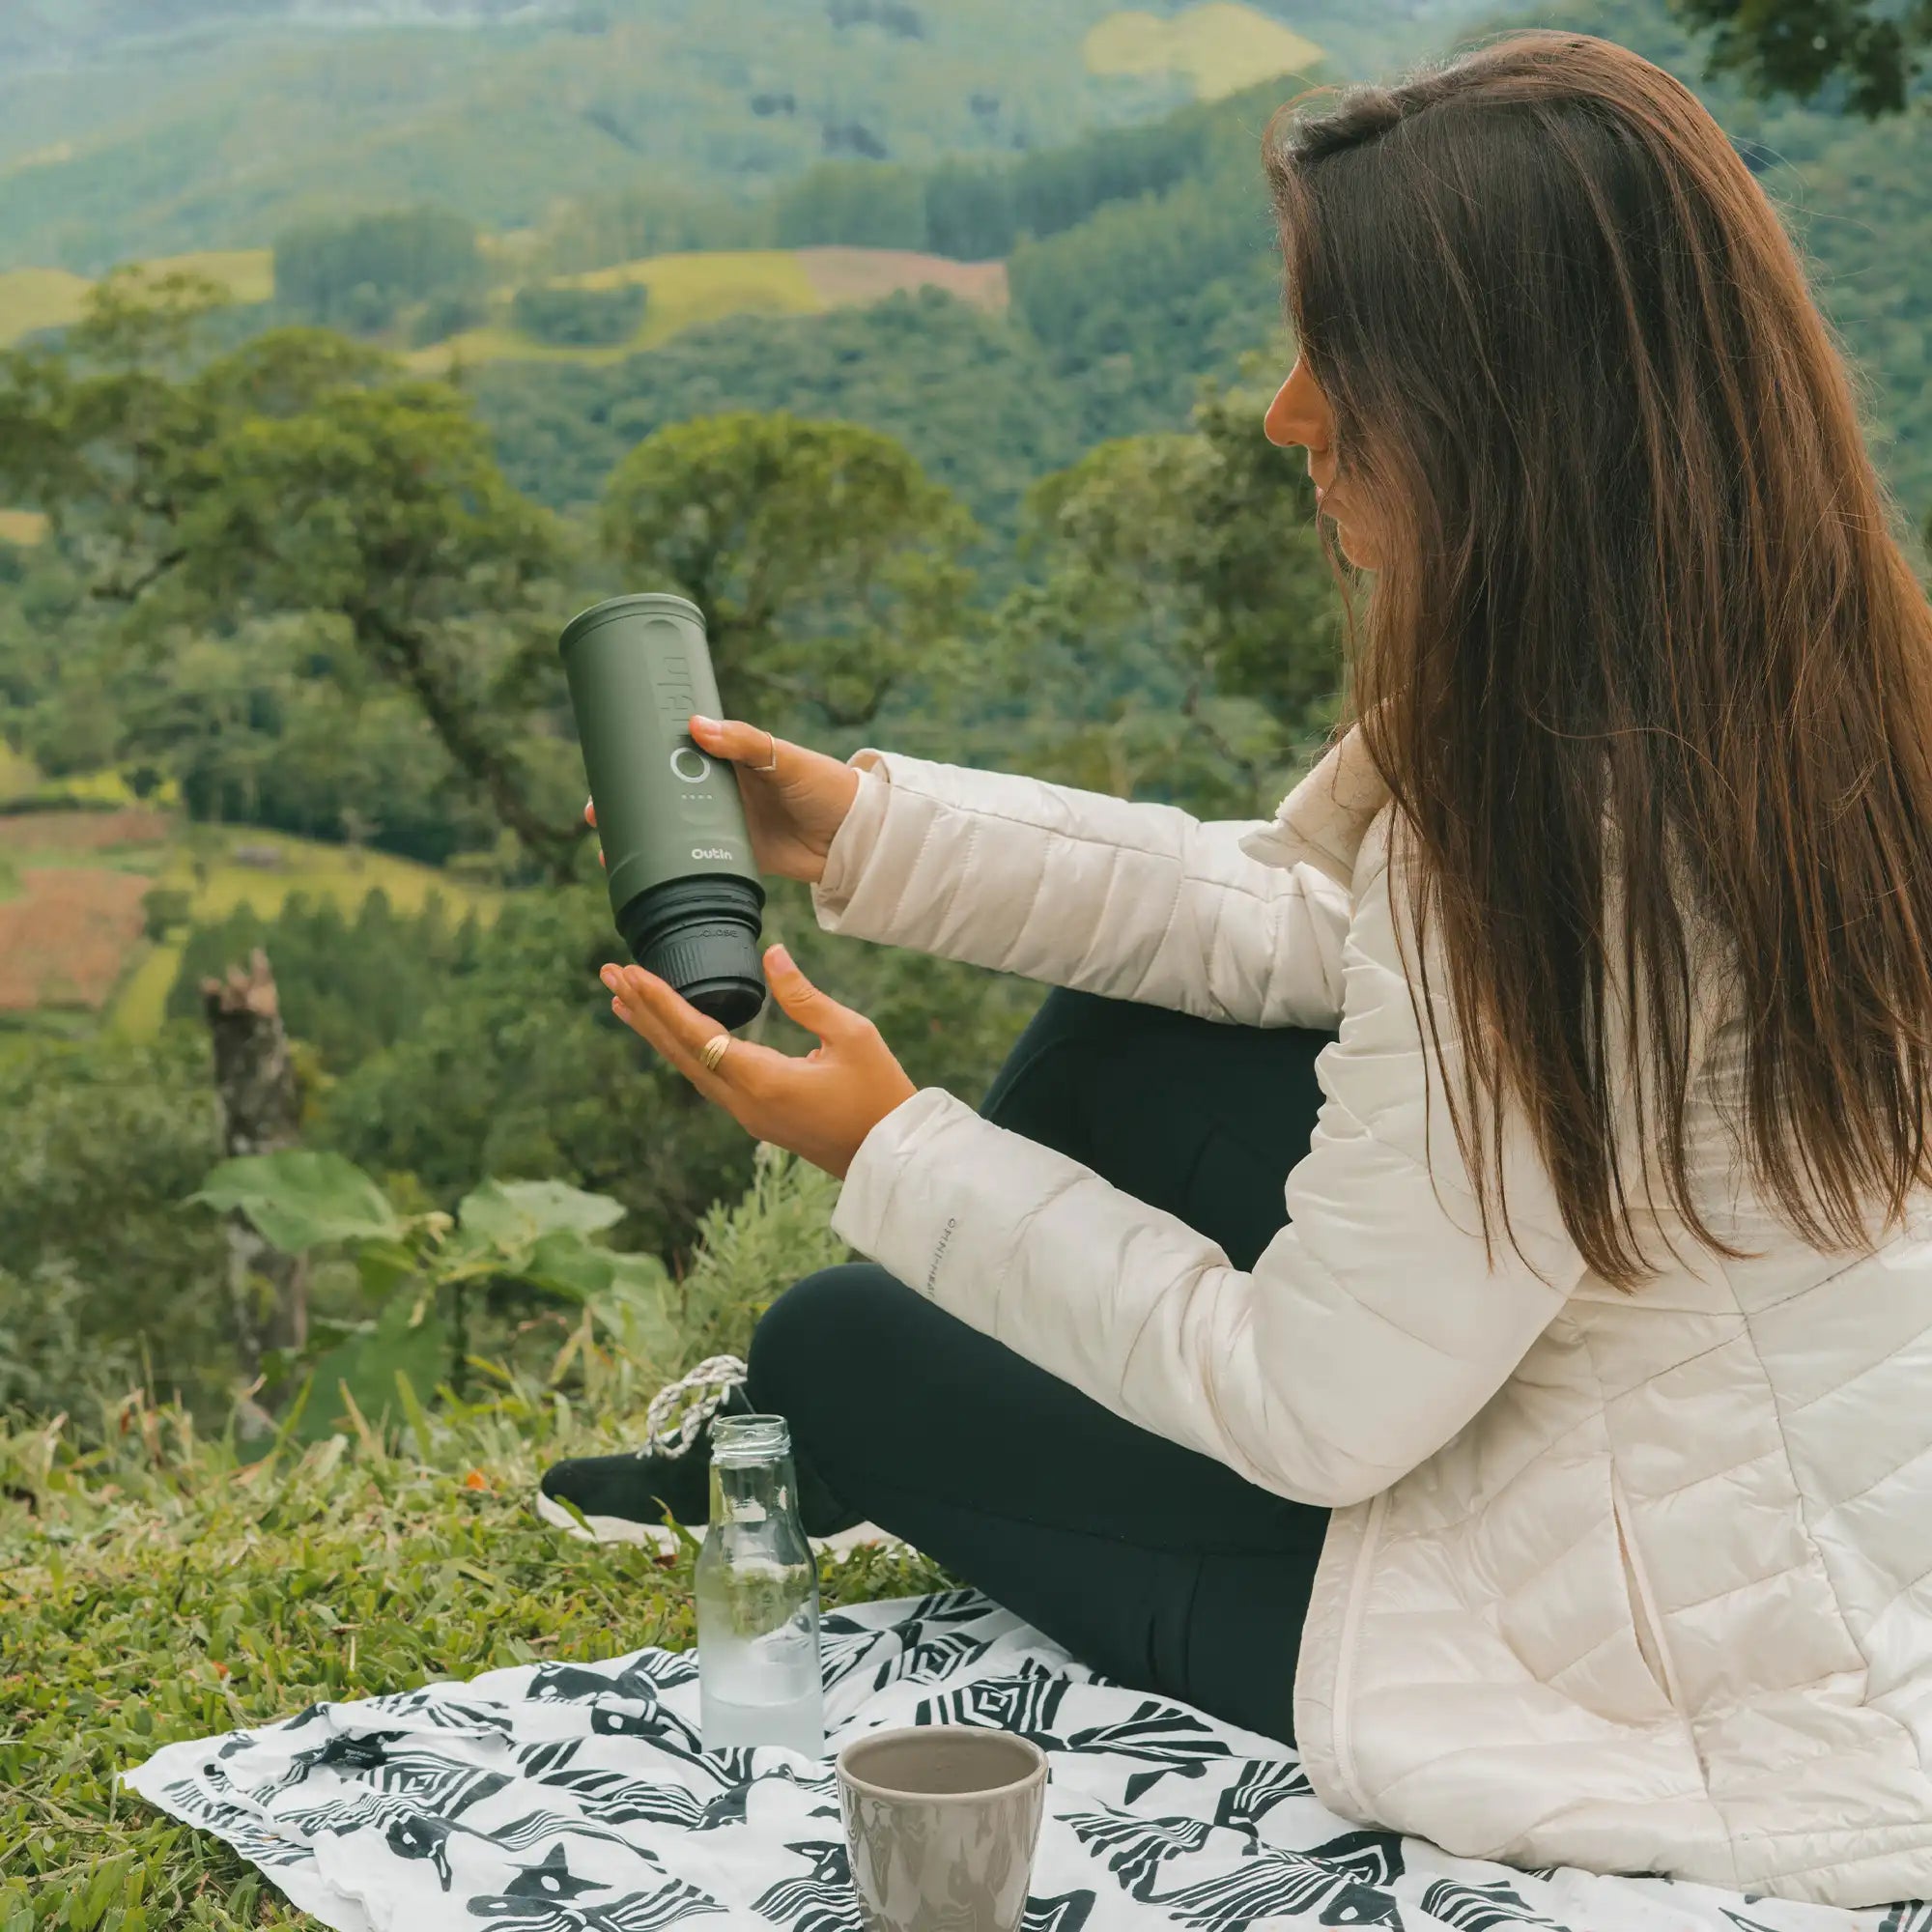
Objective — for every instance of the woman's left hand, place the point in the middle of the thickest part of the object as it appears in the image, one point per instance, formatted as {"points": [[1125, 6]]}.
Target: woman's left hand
{"points": [[820, 1107]]}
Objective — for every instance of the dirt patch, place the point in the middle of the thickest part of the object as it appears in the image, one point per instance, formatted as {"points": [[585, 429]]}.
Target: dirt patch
{"points": [[871, 275], [81, 831], [66, 938]]}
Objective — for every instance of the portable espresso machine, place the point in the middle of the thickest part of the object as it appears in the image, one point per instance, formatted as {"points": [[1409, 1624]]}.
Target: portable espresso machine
{"points": [[684, 890]]}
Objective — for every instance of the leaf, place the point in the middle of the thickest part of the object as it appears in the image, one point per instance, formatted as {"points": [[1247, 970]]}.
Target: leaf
{"points": [[299, 1200], [565, 1263], [412, 1411], [635, 1308], [513, 1215], [370, 1364], [383, 1267]]}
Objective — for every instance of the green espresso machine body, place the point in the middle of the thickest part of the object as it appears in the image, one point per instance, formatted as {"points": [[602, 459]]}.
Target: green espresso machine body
{"points": [[684, 890]]}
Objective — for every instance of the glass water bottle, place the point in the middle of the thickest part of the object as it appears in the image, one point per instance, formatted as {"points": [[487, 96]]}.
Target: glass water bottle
{"points": [[757, 1597]]}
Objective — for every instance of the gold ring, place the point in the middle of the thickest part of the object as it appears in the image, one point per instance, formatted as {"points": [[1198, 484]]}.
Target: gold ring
{"points": [[771, 763], [713, 1051]]}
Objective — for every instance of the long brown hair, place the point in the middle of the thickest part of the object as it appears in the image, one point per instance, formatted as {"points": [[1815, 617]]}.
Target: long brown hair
{"points": [[1643, 663]]}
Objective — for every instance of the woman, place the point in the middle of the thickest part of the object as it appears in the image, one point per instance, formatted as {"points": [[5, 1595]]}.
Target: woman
{"points": [[1555, 1465]]}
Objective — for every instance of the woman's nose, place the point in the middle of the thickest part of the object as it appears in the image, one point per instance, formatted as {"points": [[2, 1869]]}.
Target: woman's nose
{"points": [[1295, 416]]}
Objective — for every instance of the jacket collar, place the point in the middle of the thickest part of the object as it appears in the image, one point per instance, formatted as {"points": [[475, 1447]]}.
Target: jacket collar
{"points": [[1323, 821]]}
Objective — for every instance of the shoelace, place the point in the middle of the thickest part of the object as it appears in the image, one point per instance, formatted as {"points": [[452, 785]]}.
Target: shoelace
{"points": [[693, 1399]]}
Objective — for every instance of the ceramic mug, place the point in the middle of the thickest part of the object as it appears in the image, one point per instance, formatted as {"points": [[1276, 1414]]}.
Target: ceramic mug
{"points": [[942, 1822]]}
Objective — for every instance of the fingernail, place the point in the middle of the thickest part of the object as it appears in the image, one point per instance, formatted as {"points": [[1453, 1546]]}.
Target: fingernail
{"points": [[782, 959], [707, 724], [609, 978]]}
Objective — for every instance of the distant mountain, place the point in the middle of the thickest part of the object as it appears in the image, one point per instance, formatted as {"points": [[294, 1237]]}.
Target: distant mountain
{"points": [[79, 28], [141, 128]]}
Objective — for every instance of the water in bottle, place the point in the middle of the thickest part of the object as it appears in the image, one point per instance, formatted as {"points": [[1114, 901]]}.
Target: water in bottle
{"points": [[757, 1597]]}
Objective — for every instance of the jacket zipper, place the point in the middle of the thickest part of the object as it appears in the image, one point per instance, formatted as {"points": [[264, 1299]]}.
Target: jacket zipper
{"points": [[1345, 1658]]}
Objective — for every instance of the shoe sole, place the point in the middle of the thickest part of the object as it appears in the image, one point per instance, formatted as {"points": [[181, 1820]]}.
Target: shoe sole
{"points": [[656, 1536]]}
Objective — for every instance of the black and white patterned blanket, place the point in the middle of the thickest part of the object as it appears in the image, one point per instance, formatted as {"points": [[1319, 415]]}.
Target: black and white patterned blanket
{"points": [[574, 1797]]}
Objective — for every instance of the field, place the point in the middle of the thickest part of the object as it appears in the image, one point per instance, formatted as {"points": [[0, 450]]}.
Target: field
{"points": [[35, 298], [688, 289], [32, 298], [857, 275], [247, 274], [1220, 47], [65, 832], [65, 935], [71, 924]]}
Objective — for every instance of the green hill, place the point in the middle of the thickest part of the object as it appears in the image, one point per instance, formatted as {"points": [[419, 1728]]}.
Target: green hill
{"points": [[220, 138], [1159, 269]]}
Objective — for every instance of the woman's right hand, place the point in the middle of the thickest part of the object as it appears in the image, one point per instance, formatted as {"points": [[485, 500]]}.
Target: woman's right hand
{"points": [[792, 809]]}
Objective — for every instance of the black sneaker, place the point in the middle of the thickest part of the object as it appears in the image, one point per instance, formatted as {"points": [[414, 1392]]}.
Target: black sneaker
{"points": [[627, 1498]]}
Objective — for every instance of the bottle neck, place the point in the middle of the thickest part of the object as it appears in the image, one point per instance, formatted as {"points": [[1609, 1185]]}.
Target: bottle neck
{"points": [[751, 1491]]}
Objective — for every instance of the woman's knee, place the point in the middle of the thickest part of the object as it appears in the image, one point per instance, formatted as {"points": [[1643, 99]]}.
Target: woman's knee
{"points": [[820, 1338], [1038, 1091]]}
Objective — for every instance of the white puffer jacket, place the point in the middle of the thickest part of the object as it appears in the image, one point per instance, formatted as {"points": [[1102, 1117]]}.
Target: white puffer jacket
{"points": [[1626, 1581]]}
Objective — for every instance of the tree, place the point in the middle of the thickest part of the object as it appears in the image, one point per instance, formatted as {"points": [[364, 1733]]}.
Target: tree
{"points": [[577, 317], [260, 1114], [299, 473], [101, 1142], [1874, 49], [355, 275], [828, 568], [855, 202], [1182, 634]]}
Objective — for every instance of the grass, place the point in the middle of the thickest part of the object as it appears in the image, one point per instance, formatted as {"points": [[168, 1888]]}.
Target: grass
{"points": [[247, 274], [689, 289], [157, 1585], [160, 1588], [1220, 47], [17, 772], [141, 1007], [684, 290], [338, 872], [35, 298]]}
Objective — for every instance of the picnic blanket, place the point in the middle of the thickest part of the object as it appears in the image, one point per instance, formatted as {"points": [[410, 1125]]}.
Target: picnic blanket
{"points": [[572, 1797]]}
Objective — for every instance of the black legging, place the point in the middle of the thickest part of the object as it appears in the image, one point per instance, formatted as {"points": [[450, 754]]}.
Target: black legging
{"points": [[1157, 1566]]}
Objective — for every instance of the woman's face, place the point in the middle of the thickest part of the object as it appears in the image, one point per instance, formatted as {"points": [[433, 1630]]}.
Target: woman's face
{"points": [[1300, 416]]}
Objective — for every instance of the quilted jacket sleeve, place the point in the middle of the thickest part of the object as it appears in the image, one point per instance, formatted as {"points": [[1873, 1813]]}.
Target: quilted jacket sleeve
{"points": [[1368, 1333], [1137, 902]]}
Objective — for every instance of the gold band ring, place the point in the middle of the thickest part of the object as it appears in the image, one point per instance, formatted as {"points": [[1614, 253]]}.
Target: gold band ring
{"points": [[771, 763], [713, 1051]]}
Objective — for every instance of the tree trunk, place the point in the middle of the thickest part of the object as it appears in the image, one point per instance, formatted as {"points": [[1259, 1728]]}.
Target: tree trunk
{"points": [[261, 1111]]}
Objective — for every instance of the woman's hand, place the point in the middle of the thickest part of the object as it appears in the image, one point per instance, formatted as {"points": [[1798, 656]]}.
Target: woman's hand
{"points": [[791, 810], [820, 1107]]}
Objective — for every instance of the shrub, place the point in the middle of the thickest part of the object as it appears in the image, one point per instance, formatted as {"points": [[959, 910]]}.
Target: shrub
{"points": [[443, 316], [568, 317], [165, 907]]}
